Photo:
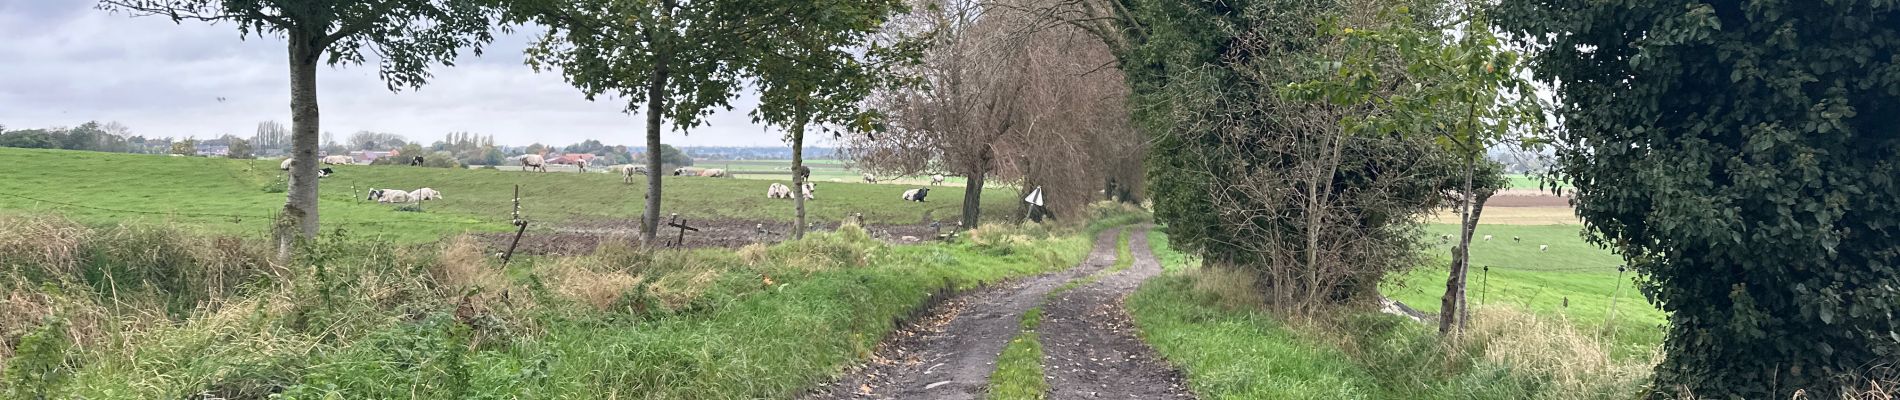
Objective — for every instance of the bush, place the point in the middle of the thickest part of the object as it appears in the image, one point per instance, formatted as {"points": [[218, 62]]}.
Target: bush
{"points": [[1740, 156]]}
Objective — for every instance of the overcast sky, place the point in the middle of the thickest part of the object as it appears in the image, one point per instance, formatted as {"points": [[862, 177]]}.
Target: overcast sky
{"points": [[63, 63]]}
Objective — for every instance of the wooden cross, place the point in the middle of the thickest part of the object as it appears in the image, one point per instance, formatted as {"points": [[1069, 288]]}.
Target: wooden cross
{"points": [[678, 222]]}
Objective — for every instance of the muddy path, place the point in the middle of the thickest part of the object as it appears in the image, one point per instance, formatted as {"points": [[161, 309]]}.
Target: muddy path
{"points": [[1091, 348], [950, 353]]}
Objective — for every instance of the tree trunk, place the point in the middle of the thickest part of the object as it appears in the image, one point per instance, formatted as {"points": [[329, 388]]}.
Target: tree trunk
{"points": [[973, 190], [798, 179], [656, 103], [299, 218], [1451, 307]]}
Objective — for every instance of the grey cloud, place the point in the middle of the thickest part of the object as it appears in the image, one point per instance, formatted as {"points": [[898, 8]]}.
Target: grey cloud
{"points": [[64, 63]]}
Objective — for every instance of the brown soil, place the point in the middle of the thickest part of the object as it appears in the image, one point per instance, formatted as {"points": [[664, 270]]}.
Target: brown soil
{"points": [[583, 237], [1527, 200], [950, 353], [1091, 349]]}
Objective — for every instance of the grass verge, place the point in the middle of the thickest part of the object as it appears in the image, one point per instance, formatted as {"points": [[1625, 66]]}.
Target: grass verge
{"points": [[1019, 373], [133, 311], [1237, 350]]}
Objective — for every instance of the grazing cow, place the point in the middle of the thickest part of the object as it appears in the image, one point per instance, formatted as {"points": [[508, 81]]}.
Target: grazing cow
{"points": [[916, 195], [936, 179], [1487, 238], [416, 161], [804, 172], [325, 172], [1515, 239], [868, 178], [534, 162], [1543, 248]]}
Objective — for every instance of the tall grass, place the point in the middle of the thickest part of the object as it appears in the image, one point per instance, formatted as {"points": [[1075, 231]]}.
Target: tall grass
{"points": [[133, 311], [1208, 322]]}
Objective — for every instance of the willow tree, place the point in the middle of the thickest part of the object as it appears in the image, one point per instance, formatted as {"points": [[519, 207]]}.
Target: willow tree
{"points": [[671, 59], [407, 37], [817, 64]]}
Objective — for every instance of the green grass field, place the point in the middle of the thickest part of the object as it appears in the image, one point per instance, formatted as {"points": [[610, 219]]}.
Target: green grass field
{"points": [[241, 196], [1521, 181], [1574, 272]]}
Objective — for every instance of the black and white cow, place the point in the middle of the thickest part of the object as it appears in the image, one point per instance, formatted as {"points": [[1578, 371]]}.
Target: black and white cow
{"points": [[917, 194]]}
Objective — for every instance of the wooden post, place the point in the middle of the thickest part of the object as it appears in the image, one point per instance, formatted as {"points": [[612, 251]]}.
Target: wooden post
{"points": [[521, 226], [1609, 321], [1484, 285]]}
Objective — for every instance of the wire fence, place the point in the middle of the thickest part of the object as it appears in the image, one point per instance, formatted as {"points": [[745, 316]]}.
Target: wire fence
{"points": [[233, 217]]}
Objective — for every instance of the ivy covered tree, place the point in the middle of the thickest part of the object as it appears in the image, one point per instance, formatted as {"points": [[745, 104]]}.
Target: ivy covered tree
{"points": [[407, 37], [1741, 156]]}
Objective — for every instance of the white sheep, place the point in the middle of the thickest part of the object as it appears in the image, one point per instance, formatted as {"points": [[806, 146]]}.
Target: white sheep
{"points": [[868, 178], [425, 194], [390, 196], [713, 173], [778, 191], [1487, 238], [627, 172], [338, 160], [285, 166], [936, 179], [808, 189], [1544, 248], [534, 162], [1443, 239]]}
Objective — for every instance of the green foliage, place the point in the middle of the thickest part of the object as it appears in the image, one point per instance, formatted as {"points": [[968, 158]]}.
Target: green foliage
{"points": [[1740, 155], [239, 149], [187, 147], [39, 367]]}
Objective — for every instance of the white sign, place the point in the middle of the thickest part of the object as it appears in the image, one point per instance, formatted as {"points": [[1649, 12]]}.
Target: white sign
{"points": [[1035, 197]]}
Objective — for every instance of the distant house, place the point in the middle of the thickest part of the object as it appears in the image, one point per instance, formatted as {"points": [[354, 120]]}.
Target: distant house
{"points": [[369, 156], [213, 150], [572, 159]]}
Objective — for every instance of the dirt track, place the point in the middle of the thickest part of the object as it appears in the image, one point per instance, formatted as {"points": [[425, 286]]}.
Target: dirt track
{"points": [[1092, 351], [1090, 346]]}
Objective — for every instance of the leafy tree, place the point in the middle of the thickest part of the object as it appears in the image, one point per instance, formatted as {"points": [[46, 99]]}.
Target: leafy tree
{"points": [[271, 137], [407, 36], [1466, 92], [30, 139], [815, 63], [1741, 157], [239, 149], [671, 59], [187, 147]]}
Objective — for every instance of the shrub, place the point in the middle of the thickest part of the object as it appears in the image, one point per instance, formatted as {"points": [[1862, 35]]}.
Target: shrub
{"points": [[1740, 156]]}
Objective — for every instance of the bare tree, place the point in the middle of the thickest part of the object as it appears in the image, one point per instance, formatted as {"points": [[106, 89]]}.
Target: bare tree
{"points": [[1009, 98]]}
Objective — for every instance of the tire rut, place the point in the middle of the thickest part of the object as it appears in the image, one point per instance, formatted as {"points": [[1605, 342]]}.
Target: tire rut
{"points": [[950, 353], [1091, 349]]}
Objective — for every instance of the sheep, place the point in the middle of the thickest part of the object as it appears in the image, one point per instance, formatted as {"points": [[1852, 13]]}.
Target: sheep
{"points": [[808, 189], [778, 191], [1443, 239], [868, 178], [713, 173], [1487, 238], [534, 162], [916, 195], [414, 162], [685, 171], [628, 171], [338, 160], [390, 196], [936, 179], [285, 166], [582, 164], [1544, 248], [425, 194], [1515, 239]]}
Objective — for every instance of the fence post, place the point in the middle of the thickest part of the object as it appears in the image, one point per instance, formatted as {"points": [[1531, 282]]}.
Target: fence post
{"points": [[521, 226], [1609, 321], [1484, 285]]}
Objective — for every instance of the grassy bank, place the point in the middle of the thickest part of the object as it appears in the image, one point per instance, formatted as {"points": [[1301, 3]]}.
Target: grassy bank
{"points": [[174, 313], [1573, 281], [1209, 323], [1019, 373], [224, 196]]}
